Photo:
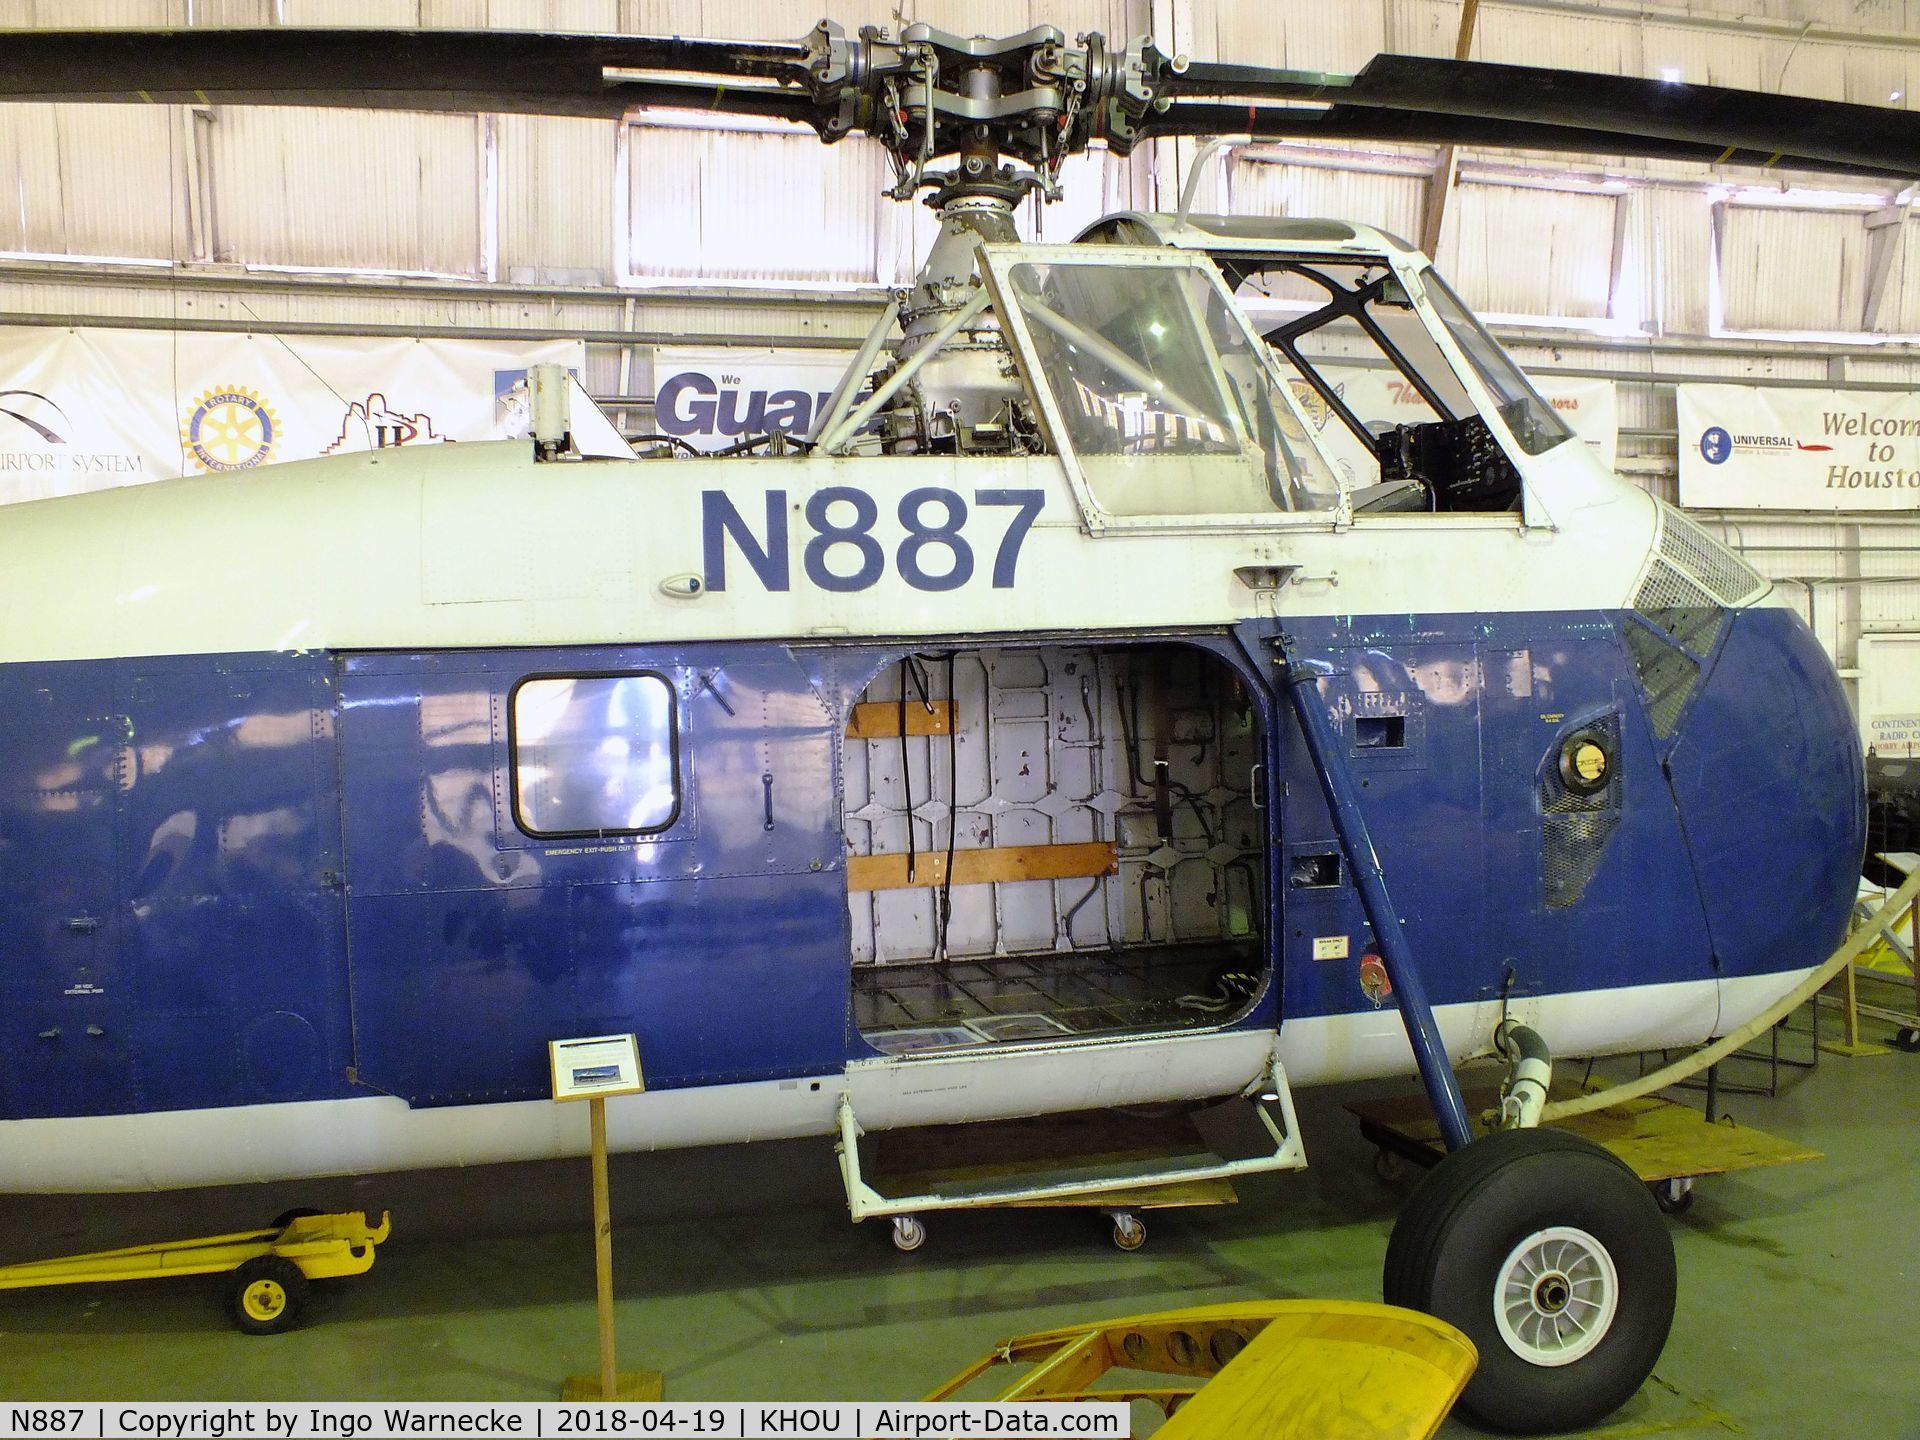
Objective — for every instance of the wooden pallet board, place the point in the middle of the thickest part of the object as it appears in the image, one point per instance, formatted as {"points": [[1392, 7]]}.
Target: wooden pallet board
{"points": [[1658, 1139], [880, 719], [942, 1158], [985, 866]]}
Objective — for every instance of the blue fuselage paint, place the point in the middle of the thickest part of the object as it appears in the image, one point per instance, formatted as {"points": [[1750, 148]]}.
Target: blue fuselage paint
{"points": [[240, 879]]}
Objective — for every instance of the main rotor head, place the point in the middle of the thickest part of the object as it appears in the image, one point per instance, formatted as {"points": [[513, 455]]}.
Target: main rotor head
{"points": [[932, 96]]}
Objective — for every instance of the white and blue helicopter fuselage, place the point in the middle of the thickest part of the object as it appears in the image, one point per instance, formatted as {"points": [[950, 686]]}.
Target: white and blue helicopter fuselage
{"points": [[274, 903]]}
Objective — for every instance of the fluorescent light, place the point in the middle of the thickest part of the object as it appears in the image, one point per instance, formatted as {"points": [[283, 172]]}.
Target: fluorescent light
{"points": [[1670, 73]]}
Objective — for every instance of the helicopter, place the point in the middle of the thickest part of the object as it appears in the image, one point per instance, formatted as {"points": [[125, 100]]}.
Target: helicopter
{"points": [[1086, 703]]}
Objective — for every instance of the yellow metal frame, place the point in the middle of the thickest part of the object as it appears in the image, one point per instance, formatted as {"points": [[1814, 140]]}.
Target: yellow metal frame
{"points": [[324, 1247], [1288, 1369]]}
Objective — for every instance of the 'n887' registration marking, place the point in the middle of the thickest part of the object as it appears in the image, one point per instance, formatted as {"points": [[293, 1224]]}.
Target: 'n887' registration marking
{"points": [[843, 554]]}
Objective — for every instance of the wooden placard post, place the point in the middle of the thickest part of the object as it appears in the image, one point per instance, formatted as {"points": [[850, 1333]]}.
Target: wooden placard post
{"points": [[591, 1069]]}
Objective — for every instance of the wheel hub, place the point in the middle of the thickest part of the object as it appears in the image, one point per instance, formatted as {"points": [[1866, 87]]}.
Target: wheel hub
{"points": [[264, 1299], [1556, 1296], [1551, 1293]]}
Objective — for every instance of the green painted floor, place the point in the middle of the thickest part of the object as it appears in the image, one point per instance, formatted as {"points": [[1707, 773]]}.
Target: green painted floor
{"points": [[740, 1278]]}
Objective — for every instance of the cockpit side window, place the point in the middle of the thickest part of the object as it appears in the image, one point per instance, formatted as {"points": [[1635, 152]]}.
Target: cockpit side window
{"points": [[1166, 400], [1534, 423]]}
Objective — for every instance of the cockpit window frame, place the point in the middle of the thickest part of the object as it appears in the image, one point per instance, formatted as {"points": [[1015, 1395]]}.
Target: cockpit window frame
{"points": [[997, 262]]}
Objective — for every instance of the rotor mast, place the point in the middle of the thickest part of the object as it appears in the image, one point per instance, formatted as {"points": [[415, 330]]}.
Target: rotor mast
{"points": [[979, 124]]}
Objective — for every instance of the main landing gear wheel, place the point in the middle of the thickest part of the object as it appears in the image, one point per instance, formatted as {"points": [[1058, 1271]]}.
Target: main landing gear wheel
{"points": [[1554, 1259], [908, 1233], [1129, 1230], [267, 1295]]}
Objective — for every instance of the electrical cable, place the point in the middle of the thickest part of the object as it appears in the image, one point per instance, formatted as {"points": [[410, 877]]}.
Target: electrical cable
{"points": [[953, 808]]}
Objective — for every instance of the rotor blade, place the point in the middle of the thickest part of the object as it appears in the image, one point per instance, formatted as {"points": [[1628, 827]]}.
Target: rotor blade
{"points": [[1607, 114], [1414, 127], [464, 70]]}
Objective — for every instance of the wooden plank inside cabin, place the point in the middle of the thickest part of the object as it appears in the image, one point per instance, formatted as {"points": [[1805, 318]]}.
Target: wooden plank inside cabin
{"points": [[880, 719], [982, 867]]}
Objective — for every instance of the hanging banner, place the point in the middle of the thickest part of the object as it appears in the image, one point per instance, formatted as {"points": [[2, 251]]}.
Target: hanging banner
{"points": [[713, 397], [88, 409], [1749, 447]]}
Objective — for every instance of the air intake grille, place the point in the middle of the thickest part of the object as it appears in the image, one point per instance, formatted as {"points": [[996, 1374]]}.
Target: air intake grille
{"points": [[1578, 827], [1666, 588], [1727, 578]]}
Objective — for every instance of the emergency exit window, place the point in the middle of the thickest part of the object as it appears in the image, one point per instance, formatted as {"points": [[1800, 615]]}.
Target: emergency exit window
{"points": [[594, 754]]}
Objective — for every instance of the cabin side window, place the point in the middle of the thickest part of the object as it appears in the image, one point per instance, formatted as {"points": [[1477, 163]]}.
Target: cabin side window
{"points": [[594, 754]]}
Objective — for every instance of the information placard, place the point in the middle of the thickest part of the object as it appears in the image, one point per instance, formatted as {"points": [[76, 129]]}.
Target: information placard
{"points": [[595, 1067]]}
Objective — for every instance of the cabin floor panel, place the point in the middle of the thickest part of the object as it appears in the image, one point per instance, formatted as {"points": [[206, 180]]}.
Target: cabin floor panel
{"points": [[1080, 992]]}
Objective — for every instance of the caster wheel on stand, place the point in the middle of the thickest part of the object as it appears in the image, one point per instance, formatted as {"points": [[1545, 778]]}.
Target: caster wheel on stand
{"points": [[1129, 1230], [1675, 1196], [908, 1233]]}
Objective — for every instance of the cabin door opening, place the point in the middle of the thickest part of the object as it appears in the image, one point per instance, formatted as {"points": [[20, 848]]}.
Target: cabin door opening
{"points": [[1054, 842]]}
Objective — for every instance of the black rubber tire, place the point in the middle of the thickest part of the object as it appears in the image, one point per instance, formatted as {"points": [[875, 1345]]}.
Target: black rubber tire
{"points": [[1908, 1039], [1440, 1191], [1467, 1218], [270, 1271]]}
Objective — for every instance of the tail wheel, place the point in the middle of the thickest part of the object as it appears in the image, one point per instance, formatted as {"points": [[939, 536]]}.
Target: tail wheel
{"points": [[267, 1296], [1554, 1259]]}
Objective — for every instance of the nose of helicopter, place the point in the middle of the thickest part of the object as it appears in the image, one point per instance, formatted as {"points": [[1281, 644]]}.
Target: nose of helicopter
{"points": [[1770, 783]]}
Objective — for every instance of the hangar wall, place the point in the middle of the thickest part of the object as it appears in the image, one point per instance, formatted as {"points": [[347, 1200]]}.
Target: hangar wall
{"points": [[674, 229]]}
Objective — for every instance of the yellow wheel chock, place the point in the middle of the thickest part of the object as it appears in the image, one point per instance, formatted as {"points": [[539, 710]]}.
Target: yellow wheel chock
{"points": [[270, 1268], [1288, 1369]]}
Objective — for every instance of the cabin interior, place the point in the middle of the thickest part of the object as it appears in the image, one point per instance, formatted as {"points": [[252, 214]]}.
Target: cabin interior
{"points": [[1047, 842]]}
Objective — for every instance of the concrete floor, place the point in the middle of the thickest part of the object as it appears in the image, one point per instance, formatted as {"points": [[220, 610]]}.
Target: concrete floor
{"points": [[740, 1278]]}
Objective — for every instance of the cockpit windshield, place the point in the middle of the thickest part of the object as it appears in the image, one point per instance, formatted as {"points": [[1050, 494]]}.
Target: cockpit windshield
{"points": [[1166, 400], [1393, 415]]}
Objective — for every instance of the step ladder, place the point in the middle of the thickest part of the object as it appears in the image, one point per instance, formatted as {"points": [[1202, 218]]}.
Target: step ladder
{"points": [[1117, 1184]]}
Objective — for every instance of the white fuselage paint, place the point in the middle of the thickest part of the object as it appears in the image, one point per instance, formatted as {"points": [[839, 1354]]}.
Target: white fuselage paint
{"points": [[177, 1149]]}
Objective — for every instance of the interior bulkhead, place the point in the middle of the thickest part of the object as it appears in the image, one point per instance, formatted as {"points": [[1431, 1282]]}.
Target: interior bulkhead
{"points": [[1053, 842]]}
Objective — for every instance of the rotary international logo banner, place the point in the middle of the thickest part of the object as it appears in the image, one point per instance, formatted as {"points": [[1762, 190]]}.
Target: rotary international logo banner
{"points": [[88, 409]]}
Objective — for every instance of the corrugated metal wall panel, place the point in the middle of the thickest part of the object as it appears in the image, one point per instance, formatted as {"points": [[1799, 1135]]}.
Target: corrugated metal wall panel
{"points": [[1261, 187], [735, 205], [1792, 269], [1900, 315], [555, 202], [1679, 236], [1340, 37], [790, 19], [1529, 37], [1525, 251], [92, 180], [348, 188], [384, 13], [86, 14]]}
